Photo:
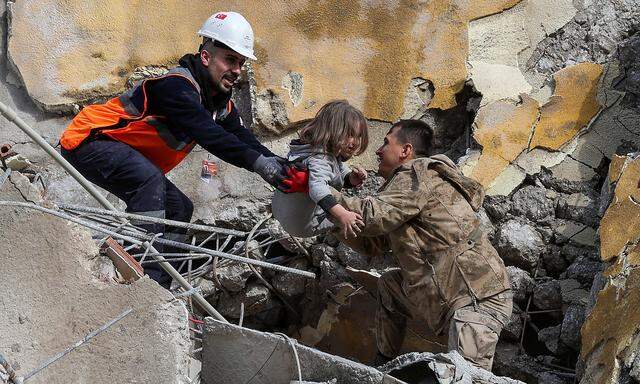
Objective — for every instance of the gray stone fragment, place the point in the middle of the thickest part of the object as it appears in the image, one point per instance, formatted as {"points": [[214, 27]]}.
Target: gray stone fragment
{"points": [[442, 368], [547, 295], [550, 180], [513, 329], [567, 231], [579, 207], [584, 270], [351, 258], [486, 224], [521, 284], [519, 244], [571, 252], [497, 207], [290, 284], [572, 292], [331, 274], [533, 203], [549, 337], [571, 324], [322, 252], [553, 261], [232, 354], [256, 298], [234, 277]]}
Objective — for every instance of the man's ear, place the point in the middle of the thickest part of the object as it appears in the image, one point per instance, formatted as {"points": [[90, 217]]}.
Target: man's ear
{"points": [[407, 151], [205, 57]]}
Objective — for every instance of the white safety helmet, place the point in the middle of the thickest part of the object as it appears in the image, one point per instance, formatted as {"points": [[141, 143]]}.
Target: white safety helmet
{"points": [[232, 30]]}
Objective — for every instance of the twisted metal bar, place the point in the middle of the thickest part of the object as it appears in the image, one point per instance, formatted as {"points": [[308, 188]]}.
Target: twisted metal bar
{"points": [[133, 216]]}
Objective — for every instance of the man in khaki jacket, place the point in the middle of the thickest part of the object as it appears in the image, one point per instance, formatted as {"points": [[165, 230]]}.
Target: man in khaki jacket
{"points": [[449, 274]]}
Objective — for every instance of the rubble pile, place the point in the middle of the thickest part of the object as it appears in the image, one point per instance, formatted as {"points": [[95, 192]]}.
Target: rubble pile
{"points": [[546, 234], [538, 100]]}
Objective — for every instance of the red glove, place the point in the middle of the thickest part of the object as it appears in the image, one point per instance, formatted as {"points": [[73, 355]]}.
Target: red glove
{"points": [[297, 179]]}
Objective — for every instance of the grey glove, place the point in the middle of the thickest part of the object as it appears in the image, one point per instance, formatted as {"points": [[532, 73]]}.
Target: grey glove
{"points": [[273, 170]]}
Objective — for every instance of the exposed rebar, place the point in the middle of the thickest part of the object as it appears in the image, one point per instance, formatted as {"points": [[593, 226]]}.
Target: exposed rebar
{"points": [[79, 343], [157, 220], [154, 253]]}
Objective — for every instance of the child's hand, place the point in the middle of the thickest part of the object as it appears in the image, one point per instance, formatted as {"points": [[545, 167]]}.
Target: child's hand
{"points": [[350, 222], [357, 176]]}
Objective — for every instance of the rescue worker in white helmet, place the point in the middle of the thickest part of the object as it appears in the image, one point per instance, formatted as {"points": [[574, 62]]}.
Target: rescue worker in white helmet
{"points": [[129, 143]]}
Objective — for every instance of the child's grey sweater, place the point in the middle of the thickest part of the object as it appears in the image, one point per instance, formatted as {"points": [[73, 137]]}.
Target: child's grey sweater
{"points": [[303, 215]]}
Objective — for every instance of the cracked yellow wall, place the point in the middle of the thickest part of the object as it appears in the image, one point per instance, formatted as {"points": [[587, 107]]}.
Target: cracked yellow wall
{"points": [[368, 52], [606, 340], [503, 129]]}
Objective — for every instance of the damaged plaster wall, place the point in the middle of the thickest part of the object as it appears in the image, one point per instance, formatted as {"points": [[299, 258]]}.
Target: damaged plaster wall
{"points": [[610, 339]]}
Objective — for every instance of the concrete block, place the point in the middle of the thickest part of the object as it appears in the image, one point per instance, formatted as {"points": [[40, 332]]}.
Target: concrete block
{"points": [[239, 355], [52, 300]]}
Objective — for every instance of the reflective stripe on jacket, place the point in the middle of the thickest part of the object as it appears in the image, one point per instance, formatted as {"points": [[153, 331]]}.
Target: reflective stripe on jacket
{"points": [[120, 120]]}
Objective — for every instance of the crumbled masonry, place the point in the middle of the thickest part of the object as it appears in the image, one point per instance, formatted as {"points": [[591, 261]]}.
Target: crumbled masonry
{"points": [[538, 100]]}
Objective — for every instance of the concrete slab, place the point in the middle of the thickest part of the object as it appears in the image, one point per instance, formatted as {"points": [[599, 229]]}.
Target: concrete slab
{"points": [[51, 300], [241, 355]]}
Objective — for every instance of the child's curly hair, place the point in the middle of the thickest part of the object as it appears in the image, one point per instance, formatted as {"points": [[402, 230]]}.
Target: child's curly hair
{"points": [[336, 122]]}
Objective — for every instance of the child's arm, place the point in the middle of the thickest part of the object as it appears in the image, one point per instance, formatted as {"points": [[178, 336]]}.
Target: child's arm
{"points": [[320, 175]]}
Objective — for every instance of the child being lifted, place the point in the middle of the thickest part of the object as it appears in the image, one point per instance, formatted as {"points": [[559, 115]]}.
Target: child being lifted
{"points": [[337, 133]]}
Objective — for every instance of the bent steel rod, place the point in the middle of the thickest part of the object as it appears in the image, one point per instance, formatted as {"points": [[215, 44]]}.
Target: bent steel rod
{"points": [[160, 240], [11, 115], [170, 270], [132, 216]]}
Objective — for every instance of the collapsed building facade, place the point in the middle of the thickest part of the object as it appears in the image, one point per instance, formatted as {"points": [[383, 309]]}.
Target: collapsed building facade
{"points": [[535, 99]]}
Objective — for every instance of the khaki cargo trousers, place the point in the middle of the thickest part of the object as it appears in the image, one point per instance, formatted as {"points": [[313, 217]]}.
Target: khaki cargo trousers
{"points": [[473, 330]]}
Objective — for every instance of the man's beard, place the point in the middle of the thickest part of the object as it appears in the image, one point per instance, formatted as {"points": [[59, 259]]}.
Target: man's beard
{"points": [[217, 86]]}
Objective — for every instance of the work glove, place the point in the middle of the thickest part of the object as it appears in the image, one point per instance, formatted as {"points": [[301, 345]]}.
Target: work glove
{"points": [[273, 170], [297, 178]]}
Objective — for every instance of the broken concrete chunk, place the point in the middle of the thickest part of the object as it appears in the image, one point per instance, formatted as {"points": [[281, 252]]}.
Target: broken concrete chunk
{"points": [[519, 244], [502, 129], [289, 284], [547, 295], [55, 301], [574, 317], [572, 292], [256, 298], [233, 354], [521, 283], [568, 111], [578, 207], [550, 337], [552, 259], [351, 258], [234, 276], [498, 81], [532, 202], [497, 207], [444, 368], [322, 252], [584, 270], [570, 231]]}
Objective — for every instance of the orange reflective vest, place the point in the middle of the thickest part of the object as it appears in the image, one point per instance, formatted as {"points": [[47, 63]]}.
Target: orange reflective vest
{"points": [[120, 120]]}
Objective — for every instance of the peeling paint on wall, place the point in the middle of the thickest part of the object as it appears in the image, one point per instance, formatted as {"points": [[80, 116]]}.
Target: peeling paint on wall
{"points": [[572, 105], [506, 130], [366, 52], [609, 345], [615, 228], [503, 129]]}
